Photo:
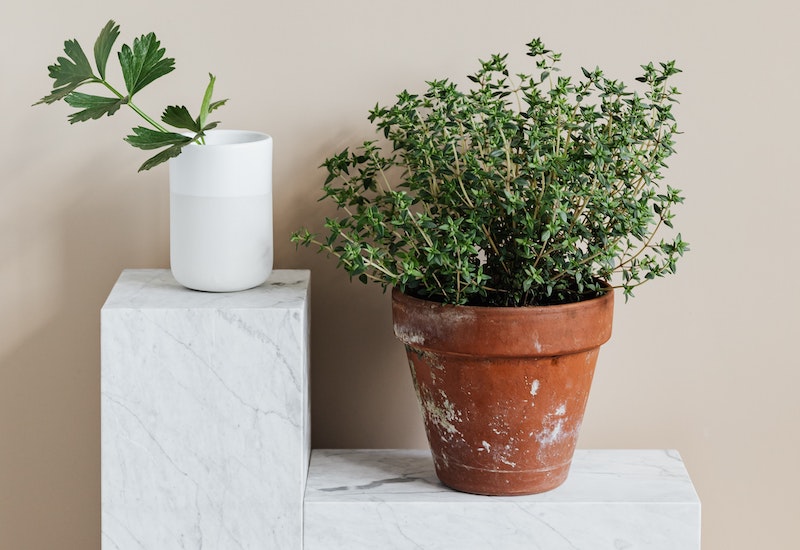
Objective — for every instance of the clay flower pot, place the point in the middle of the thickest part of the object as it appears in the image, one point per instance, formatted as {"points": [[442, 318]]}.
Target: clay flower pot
{"points": [[502, 389]]}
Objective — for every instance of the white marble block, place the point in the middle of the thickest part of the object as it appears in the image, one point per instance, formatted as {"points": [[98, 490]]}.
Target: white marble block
{"points": [[205, 414], [612, 500]]}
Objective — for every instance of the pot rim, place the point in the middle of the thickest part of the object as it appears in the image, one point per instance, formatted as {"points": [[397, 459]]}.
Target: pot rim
{"points": [[525, 331]]}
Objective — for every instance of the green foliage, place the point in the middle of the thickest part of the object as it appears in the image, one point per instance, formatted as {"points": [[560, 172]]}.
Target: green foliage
{"points": [[93, 106], [141, 64], [523, 190], [103, 45]]}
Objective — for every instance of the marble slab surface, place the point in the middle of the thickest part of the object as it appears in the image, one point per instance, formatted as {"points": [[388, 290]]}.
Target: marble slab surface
{"points": [[391, 499], [204, 414]]}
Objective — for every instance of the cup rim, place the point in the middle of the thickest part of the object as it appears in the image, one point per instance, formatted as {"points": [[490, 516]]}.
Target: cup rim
{"points": [[230, 138]]}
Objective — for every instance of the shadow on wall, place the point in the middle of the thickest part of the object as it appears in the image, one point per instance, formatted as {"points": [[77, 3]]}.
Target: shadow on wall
{"points": [[50, 375], [361, 391]]}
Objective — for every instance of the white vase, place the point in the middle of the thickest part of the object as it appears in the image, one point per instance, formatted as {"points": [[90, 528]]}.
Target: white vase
{"points": [[221, 212]]}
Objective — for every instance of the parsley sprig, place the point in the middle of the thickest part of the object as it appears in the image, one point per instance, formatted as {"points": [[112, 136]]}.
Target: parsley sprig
{"points": [[142, 63]]}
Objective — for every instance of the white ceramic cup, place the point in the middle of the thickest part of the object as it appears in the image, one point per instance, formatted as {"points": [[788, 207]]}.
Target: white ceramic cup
{"points": [[221, 212]]}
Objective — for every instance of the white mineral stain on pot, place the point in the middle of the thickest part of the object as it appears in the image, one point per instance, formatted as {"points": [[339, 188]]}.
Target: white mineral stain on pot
{"points": [[457, 315], [507, 462], [553, 431], [534, 391], [434, 361], [405, 335], [502, 455], [442, 416]]}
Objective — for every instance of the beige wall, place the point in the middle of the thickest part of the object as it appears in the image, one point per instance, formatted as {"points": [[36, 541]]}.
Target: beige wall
{"points": [[704, 362]]}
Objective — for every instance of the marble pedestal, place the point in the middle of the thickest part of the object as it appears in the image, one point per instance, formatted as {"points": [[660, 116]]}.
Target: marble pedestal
{"points": [[392, 500], [205, 414]]}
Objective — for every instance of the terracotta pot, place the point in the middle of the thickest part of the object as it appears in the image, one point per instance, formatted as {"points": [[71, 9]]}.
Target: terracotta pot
{"points": [[502, 389]]}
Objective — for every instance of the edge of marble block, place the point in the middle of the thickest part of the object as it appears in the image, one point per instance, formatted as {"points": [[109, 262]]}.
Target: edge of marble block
{"points": [[391, 499], [158, 289], [402, 474]]}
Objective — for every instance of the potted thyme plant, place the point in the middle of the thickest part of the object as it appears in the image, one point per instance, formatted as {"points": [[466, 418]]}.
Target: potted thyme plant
{"points": [[502, 217], [220, 180]]}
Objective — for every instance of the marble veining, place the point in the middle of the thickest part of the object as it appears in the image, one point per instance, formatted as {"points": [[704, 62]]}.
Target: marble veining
{"points": [[205, 414], [392, 499]]}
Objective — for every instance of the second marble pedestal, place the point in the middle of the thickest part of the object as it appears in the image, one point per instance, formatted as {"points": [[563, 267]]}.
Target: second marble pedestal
{"points": [[391, 500]]}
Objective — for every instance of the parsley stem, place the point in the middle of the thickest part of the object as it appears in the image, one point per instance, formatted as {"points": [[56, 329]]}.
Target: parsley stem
{"points": [[133, 106], [147, 118]]}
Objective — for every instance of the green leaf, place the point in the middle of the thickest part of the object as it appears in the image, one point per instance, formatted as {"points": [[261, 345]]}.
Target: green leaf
{"points": [[74, 69], [204, 106], [163, 156], [216, 105], [93, 106], [68, 72], [58, 94], [144, 63], [179, 117], [207, 106], [102, 46], [145, 138]]}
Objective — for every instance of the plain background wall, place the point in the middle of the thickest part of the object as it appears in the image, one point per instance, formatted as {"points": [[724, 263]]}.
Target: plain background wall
{"points": [[704, 362]]}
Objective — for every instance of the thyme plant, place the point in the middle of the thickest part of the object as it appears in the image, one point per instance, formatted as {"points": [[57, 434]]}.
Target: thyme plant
{"points": [[141, 64], [523, 190]]}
